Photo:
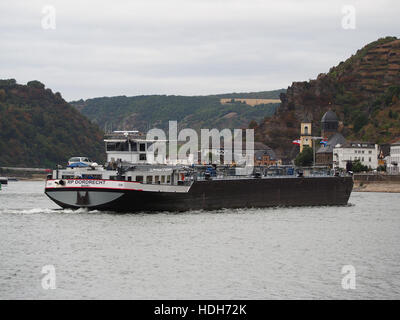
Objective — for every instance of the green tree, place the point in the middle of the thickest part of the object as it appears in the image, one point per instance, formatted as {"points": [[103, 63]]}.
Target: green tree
{"points": [[253, 124], [382, 168], [359, 167], [35, 84], [360, 122], [304, 158]]}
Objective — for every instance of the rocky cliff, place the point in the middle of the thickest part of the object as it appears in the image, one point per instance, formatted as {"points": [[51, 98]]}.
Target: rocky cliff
{"points": [[364, 92]]}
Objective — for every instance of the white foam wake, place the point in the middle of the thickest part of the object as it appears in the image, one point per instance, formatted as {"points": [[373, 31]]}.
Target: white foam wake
{"points": [[47, 211]]}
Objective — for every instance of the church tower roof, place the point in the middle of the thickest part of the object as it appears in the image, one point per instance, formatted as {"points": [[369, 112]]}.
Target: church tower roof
{"points": [[329, 116]]}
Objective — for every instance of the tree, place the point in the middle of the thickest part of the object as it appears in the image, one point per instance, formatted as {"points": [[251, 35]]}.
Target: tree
{"points": [[382, 168], [253, 124], [359, 167], [35, 84], [360, 121], [305, 158]]}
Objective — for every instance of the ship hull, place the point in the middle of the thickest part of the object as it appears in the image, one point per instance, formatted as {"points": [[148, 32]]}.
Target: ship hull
{"points": [[209, 195]]}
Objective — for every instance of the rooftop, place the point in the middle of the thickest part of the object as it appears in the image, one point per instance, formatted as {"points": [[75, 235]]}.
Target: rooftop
{"points": [[358, 144], [396, 143], [337, 138], [329, 116]]}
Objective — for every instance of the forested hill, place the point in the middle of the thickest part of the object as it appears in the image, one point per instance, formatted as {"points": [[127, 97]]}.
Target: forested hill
{"points": [[38, 128], [273, 94], [364, 92], [144, 112]]}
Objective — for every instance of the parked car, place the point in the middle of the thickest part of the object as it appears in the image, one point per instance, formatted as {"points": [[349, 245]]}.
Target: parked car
{"points": [[83, 160]]}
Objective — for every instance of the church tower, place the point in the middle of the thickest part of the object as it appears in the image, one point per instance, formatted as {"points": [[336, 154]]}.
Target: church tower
{"points": [[329, 124], [305, 133]]}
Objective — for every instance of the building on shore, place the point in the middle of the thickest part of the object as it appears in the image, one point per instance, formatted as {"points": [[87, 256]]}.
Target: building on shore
{"points": [[264, 155], [305, 133], [365, 152], [393, 161], [329, 131]]}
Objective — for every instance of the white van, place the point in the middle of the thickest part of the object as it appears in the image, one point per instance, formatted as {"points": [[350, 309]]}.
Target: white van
{"points": [[84, 160]]}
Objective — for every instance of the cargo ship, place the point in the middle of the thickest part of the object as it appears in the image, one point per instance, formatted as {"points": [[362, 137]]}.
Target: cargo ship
{"points": [[128, 183]]}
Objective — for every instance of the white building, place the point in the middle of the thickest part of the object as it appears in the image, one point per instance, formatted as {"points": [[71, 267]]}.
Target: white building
{"points": [[366, 152], [393, 161]]}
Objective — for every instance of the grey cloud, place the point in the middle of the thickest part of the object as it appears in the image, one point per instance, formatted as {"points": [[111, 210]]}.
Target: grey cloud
{"points": [[183, 46]]}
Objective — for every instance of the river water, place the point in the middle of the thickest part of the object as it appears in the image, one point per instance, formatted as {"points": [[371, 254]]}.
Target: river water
{"points": [[281, 253]]}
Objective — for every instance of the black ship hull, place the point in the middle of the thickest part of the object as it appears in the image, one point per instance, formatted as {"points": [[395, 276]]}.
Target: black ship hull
{"points": [[213, 195]]}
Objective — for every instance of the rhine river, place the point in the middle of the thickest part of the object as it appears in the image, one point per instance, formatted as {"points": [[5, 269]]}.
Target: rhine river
{"points": [[281, 253]]}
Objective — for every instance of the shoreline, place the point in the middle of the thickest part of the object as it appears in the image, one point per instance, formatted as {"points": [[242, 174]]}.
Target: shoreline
{"points": [[377, 186]]}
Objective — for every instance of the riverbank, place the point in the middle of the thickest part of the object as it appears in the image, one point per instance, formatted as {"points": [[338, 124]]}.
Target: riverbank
{"points": [[376, 183], [392, 187]]}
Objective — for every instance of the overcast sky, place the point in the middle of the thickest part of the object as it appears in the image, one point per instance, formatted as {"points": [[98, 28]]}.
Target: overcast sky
{"points": [[187, 47]]}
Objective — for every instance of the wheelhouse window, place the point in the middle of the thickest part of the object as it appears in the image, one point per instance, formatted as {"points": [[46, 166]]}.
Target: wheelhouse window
{"points": [[142, 156], [111, 146], [122, 146], [133, 146], [142, 147], [118, 146]]}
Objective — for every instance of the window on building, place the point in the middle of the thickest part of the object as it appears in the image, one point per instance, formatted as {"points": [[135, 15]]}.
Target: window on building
{"points": [[168, 179], [305, 130], [122, 146], [133, 146], [157, 179], [142, 147], [149, 179], [139, 179], [111, 146], [369, 159], [162, 179], [142, 156]]}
